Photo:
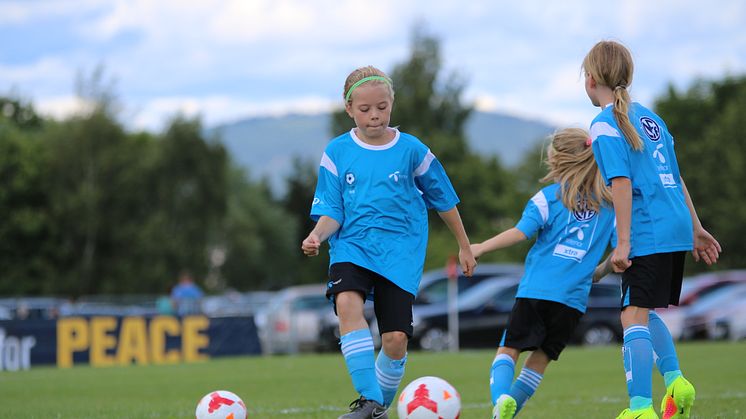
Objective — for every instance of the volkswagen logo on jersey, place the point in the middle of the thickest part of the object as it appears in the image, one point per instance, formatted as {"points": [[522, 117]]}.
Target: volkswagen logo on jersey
{"points": [[585, 214], [350, 178], [651, 128]]}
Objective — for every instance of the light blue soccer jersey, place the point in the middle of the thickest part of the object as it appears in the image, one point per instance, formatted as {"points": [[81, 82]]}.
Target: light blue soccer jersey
{"points": [[569, 245], [380, 195], [660, 222]]}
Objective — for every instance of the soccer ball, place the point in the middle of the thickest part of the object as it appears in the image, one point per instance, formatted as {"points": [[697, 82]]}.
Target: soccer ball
{"points": [[429, 398], [221, 404]]}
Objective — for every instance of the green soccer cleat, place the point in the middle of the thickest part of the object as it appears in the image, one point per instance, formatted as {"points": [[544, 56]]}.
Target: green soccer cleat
{"points": [[504, 407], [678, 401], [647, 413]]}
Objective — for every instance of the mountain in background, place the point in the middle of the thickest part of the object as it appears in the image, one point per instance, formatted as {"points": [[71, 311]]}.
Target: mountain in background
{"points": [[265, 146]]}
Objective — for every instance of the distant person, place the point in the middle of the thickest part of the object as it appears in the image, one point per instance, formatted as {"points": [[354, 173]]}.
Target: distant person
{"points": [[186, 295], [656, 226], [574, 224], [164, 305], [374, 188]]}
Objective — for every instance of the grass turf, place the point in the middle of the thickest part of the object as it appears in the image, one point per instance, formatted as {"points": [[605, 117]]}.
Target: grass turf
{"points": [[585, 383]]}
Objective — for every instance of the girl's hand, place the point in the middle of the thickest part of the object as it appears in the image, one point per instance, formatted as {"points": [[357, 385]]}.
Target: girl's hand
{"points": [[468, 263], [620, 258], [476, 250], [705, 247], [311, 245]]}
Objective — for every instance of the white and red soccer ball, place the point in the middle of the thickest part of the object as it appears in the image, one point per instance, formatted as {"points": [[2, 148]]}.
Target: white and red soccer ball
{"points": [[221, 404], [429, 398]]}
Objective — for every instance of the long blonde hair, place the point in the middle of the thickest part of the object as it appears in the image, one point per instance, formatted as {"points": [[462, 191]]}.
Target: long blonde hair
{"points": [[361, 73], [610, 64], [572, 165]]}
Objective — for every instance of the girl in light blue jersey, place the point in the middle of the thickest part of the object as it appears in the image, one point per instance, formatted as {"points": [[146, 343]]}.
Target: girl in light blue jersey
{"points": [[374, 188], [574, 225], [656, 226]]}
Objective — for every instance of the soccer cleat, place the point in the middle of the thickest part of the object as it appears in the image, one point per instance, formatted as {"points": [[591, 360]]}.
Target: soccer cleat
{"points": [[647, 413], [678, 401], [504, 407], [365, 409]]}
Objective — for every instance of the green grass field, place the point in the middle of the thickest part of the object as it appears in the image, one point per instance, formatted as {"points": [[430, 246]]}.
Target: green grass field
{"points": [[585, 383]]}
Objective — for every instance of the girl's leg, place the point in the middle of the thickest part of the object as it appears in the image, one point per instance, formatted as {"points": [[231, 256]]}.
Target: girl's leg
{"points": [[357, 345], [390, 364], [529, 379]]}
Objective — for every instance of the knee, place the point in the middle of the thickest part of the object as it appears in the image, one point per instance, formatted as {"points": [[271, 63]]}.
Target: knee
{"points": [[348, 304], [395, 343]]}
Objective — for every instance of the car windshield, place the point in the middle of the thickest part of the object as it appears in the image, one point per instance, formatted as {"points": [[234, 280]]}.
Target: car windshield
{"points": [[483, 292], [719, 297]]}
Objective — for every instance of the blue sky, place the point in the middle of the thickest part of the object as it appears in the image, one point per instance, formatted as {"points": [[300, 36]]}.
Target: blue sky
{"points": [[229, 59]]}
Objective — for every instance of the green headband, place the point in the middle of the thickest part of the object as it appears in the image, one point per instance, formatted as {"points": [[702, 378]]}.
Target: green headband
{"points": [[363, 80]]}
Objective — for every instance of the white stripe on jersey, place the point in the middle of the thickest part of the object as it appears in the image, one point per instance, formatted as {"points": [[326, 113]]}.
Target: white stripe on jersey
{"points": [[603, 128], [425, 165], [541, 203], [328, 164]]}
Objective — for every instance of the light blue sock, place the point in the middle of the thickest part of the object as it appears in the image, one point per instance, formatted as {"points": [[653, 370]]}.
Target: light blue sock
{"points": [[357, 348], [638, 365], [389, 373], [501, 375], [665, 352], [525, 386]]}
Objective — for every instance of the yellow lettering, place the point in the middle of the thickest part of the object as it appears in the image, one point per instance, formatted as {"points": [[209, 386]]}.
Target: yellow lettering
{"points": [[72, 336], [160, 326], [101, 341], [194, 338], [133, 343]]}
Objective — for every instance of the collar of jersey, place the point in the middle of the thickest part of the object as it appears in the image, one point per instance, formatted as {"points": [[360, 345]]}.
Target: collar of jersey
{"points": [[367, 146]]}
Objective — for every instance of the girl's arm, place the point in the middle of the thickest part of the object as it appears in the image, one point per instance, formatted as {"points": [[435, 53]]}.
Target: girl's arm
{"points": [[454, 223], [325, 227], [604, 268], [505, 239], [621, 195], [705, 245]]}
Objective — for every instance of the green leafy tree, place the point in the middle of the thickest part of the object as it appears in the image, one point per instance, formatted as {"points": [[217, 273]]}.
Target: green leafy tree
{"points": [[706, 121]]}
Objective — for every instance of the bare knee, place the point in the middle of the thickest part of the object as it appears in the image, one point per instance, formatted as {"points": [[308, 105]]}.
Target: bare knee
{"points": [[349, 305], [632, 315], [395, 344]]}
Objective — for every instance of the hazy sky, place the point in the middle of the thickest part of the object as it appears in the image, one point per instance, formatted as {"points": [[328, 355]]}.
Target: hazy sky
{"points": [[231, 59]]}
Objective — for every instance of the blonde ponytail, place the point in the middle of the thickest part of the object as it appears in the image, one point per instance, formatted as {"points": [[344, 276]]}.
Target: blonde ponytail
{"points": [[610, 64], [572, 165]]}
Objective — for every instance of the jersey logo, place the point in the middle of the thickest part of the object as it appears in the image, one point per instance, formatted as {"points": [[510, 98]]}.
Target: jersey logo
{"points": [[350, 178], [657, 154], [579, 231], [584, 214], [651, 128], [316, 200], [395, 176]]}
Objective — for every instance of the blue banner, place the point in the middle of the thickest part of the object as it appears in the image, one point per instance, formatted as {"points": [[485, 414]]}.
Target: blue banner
{"points": [[114, 340]]}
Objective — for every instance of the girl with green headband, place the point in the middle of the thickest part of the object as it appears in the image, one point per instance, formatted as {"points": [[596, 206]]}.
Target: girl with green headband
{"points": [[374, 188]]}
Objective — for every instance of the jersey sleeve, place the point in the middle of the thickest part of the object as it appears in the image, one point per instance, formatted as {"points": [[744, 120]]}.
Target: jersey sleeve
{"points": [[431, 179], [535, 215], [328, 197], [610, 151]]}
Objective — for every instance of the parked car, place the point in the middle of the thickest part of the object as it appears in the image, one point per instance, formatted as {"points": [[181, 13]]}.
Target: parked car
{"points": [[717, 314], [484, 310], [693, 289], [434, 284], [291, 322]]}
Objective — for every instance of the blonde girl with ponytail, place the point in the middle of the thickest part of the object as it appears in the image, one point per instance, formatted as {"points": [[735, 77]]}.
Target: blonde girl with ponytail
{"points": [[573, 222], [656, 225]]}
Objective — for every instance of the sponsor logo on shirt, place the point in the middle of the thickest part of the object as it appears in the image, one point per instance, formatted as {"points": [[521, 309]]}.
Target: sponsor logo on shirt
{"points": [[350, 178], [651, 128]]}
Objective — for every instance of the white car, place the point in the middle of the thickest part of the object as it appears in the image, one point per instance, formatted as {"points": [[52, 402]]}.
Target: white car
{"points": [[291, 322]]}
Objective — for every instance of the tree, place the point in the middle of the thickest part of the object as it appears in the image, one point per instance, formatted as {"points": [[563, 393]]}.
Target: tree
{"points": [[706, 121]]}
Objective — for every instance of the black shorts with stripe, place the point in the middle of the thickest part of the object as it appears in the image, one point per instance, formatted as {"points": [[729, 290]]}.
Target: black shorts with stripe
{"points": [[540, 324], [653, 281], [392, 305]]}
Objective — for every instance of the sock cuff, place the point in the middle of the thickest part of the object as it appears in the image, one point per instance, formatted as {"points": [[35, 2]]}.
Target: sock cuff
{"points": [[503, 359], [356, 342], [636, 331], [652, 315], [530, 377], [384, 361]]}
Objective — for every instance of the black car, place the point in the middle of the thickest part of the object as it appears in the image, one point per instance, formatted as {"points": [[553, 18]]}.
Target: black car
{"points": [[484, 309]]}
